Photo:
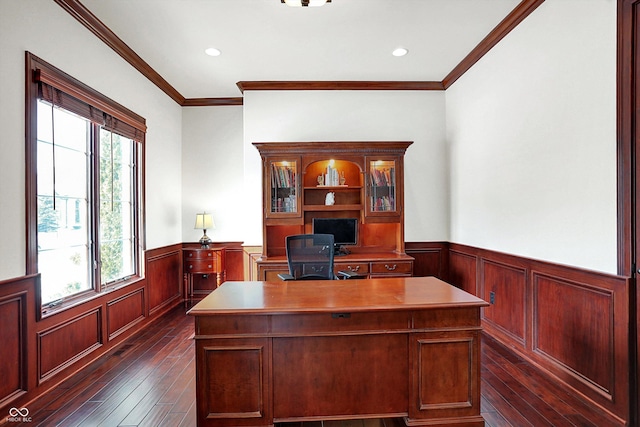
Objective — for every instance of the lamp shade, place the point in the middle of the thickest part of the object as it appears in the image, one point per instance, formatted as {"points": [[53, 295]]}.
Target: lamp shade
{"points": [[204, 221]]}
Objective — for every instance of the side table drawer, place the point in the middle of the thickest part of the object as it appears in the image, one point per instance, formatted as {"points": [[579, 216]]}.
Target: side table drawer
{"points": [[200, 266], [198, 254], [392, 267]]}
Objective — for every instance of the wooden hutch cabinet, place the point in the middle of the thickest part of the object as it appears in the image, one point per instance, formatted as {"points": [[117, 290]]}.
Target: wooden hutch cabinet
{"points": [[366, 179]]}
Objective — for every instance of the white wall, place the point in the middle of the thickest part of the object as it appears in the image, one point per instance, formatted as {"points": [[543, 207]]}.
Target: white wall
{"points": [[45, 29], [212, 176], [271, 116], [532, 136]]}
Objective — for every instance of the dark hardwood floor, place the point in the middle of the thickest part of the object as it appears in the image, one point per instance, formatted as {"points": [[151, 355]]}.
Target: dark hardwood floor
{"points": [[150, 381]]}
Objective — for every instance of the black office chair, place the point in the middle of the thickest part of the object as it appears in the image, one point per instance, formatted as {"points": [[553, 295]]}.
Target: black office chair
{"points": [[310, 257]]}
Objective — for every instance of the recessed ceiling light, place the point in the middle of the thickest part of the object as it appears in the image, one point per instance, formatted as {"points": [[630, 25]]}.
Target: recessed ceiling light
{"points": [[400, 51], [212, 51]]}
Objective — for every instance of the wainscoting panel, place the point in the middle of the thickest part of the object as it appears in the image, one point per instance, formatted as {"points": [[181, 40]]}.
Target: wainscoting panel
{"points": [[16, 320], [570, 322], [463, 269], [164, 277], [12, 337], [38, 352], [430, 258], [585, 317], [503, 286], [125, 312], [63, 344]]}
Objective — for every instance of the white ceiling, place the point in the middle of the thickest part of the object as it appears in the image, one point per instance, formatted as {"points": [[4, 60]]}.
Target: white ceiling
{"points": [[267, 40]]}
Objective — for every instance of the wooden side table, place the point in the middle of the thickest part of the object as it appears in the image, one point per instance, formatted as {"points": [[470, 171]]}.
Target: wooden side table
{"points": [[202, 261]]}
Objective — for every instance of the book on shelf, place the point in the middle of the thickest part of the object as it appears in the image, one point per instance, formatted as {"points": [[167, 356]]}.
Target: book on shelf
{"points": [[382, 204], [382, 177], [282, 176]]}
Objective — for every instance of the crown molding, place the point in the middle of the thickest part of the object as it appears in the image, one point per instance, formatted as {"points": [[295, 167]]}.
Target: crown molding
{"points": [[104, 33], [338, 85], [99, 29], [517, 15], [212, 102]]}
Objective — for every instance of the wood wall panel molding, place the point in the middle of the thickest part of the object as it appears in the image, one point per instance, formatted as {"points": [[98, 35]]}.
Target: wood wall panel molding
{"points": [[164, 277], [59, 345], [67, 342], [507, 283], [125, 312], [559, 306], [430, 258], [567, 312], [14, 348], [463, 271]]}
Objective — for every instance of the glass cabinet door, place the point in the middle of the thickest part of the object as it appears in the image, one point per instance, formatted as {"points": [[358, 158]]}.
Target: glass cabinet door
{"points": [[283, 195], [382, 177]]}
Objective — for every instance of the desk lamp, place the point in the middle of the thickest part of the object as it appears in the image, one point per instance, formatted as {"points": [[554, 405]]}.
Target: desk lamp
{"points": [[204, 221]]}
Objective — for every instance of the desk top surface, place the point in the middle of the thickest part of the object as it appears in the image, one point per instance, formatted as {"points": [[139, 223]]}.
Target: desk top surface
{"points": [[379, 294]]}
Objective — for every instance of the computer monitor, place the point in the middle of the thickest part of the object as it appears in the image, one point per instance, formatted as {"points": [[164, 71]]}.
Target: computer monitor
{"points": [[344, 230]]}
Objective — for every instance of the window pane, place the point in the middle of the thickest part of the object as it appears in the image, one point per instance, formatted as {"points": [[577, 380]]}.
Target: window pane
{"points": [[64, 272], [63, 231], [116, 210]]}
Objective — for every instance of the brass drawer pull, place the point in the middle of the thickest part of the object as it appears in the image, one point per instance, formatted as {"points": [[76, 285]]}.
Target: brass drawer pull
{"points": [[353, 269], [390, 268]]}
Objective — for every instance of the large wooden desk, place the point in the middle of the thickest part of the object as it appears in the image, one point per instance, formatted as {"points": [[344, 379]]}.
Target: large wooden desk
{"points": [[315, 350]]}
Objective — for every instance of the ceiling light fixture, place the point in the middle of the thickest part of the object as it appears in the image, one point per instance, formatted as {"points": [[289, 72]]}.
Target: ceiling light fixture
{"points": [[305, 3], [212, 51], [400, 51]]}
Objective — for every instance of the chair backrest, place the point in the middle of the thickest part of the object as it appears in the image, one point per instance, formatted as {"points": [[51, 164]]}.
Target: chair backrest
{"points": [[310, 256]]}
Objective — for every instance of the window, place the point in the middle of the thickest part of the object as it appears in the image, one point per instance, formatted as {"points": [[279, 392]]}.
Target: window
{"points": [[84, 187]]}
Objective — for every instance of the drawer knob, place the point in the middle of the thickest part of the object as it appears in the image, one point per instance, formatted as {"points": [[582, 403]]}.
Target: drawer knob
{"points": [[209, 266], [190, 266], [390, 268]]}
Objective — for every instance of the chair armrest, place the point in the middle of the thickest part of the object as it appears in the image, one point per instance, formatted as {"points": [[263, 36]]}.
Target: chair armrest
{"points": [[286, 276], [349, 275]]}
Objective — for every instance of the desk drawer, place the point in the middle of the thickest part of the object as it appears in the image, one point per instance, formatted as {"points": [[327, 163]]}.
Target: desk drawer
{"points": [[340, 321], [201, 266], [352, 267], [392, 267], [198, 254]]}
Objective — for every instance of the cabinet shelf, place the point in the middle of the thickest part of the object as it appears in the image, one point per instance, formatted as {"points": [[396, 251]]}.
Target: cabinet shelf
{"points": [[320, 208], [334, 188]]}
